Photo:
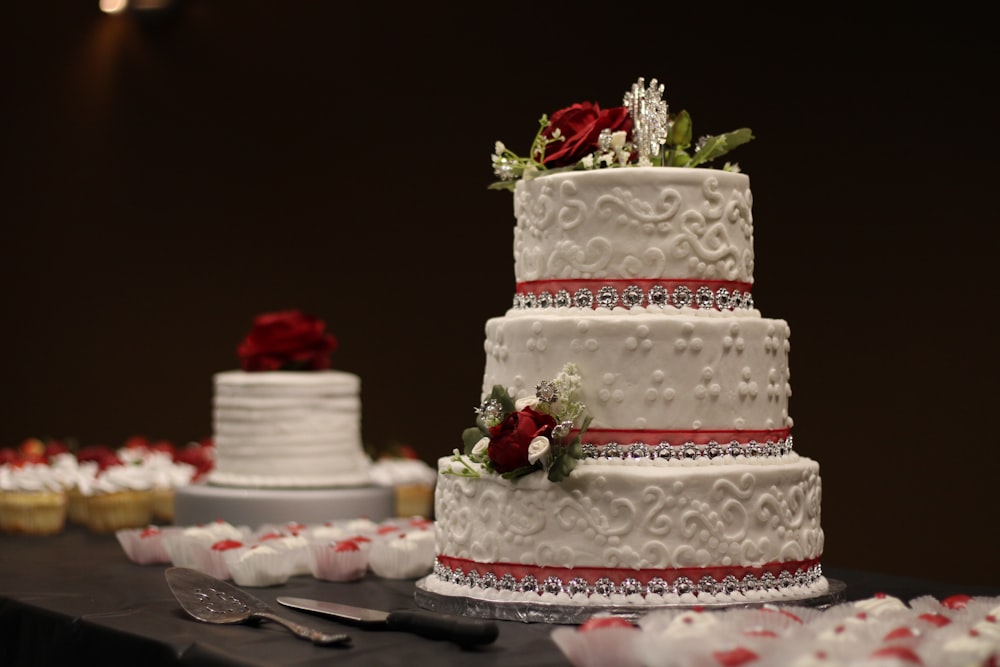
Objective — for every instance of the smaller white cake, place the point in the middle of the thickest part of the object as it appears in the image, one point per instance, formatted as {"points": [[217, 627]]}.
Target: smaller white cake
{"points": [[288, 429]]}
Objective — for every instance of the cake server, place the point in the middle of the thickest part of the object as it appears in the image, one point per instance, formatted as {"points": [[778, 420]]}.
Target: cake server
{"points": [[215, 601], [433, 625]]}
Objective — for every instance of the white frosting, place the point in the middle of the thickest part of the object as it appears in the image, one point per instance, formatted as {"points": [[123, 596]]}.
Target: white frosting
{"points": [[288, 429], [648, 368], [393, 472], [214, 531], [649, 374], [162, 470], [655, 222], [637, 515], [30, 477]]}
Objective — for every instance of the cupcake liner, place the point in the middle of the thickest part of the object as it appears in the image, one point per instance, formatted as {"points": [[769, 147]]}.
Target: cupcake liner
{"points": [[599, 647], [293, 549], [257, 565], [32, 512], [145, 545], [400, 556], [338, 561], [109, 512], [213, 559]]}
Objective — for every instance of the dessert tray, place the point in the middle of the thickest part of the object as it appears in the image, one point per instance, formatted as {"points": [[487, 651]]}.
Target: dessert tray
{"points": [[543, 612]]}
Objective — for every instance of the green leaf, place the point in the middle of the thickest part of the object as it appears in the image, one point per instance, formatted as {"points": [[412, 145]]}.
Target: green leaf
{"points": [[715, 147], [502, 185], [561, 468], [679, 134], [676, 158], [470, 437], [520, 472], [506, 402]]}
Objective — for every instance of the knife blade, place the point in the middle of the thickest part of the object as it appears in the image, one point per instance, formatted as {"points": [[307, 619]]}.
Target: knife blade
{"points": [[432, 625]]}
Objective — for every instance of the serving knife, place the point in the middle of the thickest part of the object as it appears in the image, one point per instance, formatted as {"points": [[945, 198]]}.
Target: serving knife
{"points": [[433, 625]]}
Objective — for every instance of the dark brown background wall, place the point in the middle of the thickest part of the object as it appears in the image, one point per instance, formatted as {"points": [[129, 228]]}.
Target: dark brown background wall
{"points": [[162, 184]]}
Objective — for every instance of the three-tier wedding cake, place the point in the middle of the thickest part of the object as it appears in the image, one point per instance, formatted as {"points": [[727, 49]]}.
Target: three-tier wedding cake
{"points": [[633, 447]]}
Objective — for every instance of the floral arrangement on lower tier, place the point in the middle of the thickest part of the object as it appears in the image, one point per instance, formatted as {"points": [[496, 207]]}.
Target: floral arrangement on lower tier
{"points": [[287, 340], [513, 439], [642, 132]]}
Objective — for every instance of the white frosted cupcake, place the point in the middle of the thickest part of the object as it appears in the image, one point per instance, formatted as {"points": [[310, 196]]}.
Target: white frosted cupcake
{"points": [[213, 559], [78, 479], [121, 497], [413, 482], [339, 561], [257, 565], [189, 547], [145, 545], [293, 548], [165, 475], [599, 641], [32, 500], [402, 555]]}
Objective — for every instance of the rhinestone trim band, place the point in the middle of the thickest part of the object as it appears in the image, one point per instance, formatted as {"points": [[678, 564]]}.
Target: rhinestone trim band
{"points": [[586, 293], [606, 582], [688, 451]]}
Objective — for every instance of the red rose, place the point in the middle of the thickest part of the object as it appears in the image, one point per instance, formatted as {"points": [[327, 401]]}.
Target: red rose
{"points": [[509, 440], [287, 340], [581, 125]]}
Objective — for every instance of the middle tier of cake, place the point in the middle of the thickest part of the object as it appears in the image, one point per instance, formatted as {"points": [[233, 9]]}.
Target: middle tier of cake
{"points": [[650, 375]]}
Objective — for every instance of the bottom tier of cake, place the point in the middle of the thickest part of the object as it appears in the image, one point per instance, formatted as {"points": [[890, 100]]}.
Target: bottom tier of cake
{"points": [[632, 532]]}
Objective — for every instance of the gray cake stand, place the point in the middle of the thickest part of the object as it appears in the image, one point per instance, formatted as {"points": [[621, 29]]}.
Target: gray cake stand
{"points": [[203, 503], [542, 612]]}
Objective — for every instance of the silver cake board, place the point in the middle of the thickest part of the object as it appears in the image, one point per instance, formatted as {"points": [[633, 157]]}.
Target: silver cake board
{"points": [[204, 503], [543, 612]]}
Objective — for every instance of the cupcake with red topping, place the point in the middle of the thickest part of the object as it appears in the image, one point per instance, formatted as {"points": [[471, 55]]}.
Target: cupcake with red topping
{"points": [[401, 554], [257, 564], [121, 497], [344, 560], [32, 500]]}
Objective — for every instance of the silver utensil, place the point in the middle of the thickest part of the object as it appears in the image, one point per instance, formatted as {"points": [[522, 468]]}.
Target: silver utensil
{"points": [[212, 600], [434, 625]]}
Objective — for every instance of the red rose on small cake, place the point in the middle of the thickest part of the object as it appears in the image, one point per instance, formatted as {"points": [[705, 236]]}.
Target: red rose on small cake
{"points": [[286, 419], [286, 341]]}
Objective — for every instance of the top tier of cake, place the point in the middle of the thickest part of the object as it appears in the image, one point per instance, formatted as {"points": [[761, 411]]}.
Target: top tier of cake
{"points": [[642, 226]]}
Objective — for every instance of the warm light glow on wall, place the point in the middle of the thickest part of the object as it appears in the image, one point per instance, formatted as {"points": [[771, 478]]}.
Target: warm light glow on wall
{"points": [[113, 6], [119, 6]]}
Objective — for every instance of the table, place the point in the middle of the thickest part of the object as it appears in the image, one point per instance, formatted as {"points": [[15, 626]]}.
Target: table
{"points": [[76, 599]]}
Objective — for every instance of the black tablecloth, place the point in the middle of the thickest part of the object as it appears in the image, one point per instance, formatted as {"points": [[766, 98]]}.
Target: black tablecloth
{"points": [[76, 599]]}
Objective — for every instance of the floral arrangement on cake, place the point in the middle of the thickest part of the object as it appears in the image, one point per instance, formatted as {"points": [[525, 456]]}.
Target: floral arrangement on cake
{"points": [[288, 340], [513, 439], [642, 132]]}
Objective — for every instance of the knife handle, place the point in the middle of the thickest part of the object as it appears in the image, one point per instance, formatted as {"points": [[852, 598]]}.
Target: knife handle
{"points": [[458, 629]]}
